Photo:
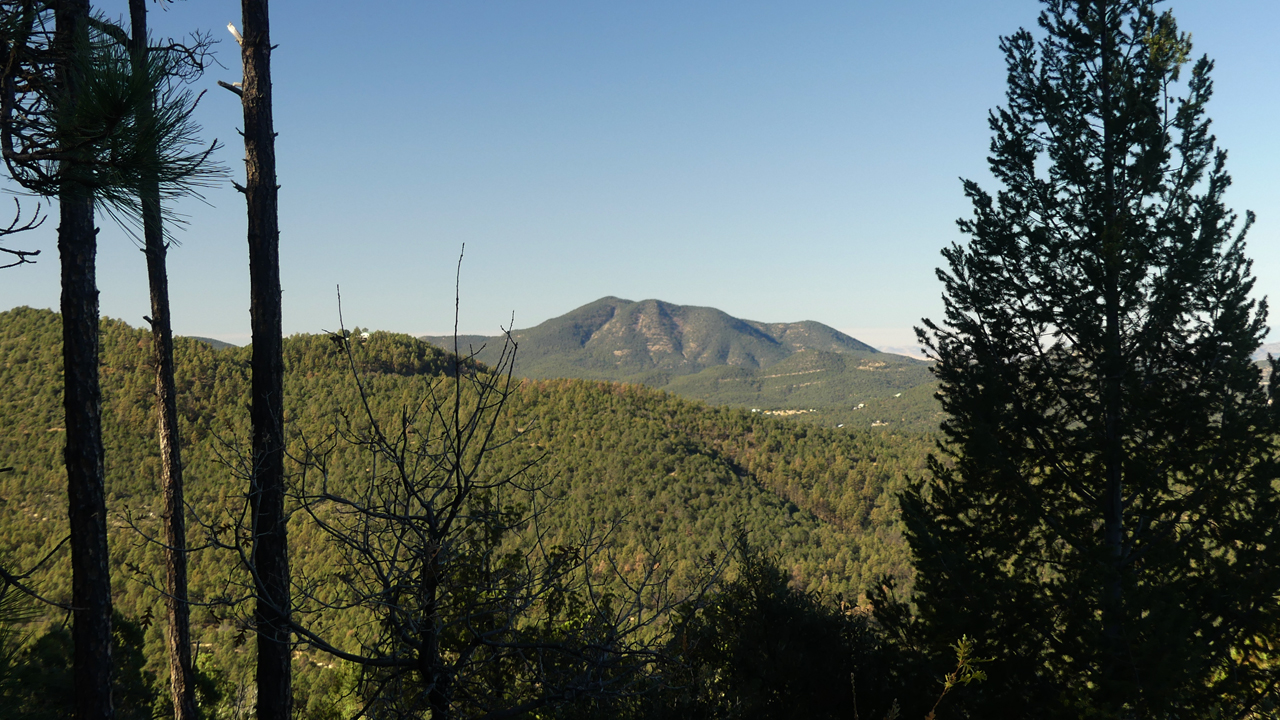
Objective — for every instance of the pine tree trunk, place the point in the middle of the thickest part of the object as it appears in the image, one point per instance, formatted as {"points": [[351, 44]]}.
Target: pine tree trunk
{"points": [[82, 401], [270, 554], [87, 512], [430, 667], [178, 631], [1113, 368]]}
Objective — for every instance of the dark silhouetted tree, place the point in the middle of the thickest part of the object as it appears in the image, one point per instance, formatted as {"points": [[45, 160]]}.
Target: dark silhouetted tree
{"points": [[1103, 514], [762, 649], [82, 397], [69, 128], [40, 685], [270, 561]]}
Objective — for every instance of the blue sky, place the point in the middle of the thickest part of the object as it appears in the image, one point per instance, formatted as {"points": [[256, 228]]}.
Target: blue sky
{"points": [[780, 161]]}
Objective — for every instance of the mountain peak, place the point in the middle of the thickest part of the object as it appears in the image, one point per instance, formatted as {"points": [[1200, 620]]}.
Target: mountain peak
{"points": [[622, 337], [703, 353]]}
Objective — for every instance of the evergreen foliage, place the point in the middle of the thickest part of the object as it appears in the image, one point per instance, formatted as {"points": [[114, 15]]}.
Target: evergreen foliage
{"points": [[1103, 516], [116, 149], [631, 337], [41, 685], [670, 480], [463, 622], [804, 370], [762, 649]]}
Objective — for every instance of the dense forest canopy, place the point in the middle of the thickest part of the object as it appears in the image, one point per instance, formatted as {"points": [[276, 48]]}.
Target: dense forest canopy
{"points": [[669, 479], [654, 511], [806, 371]]}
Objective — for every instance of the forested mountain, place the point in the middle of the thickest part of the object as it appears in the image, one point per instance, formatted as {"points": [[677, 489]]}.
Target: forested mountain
{"points": [[667, 478], [804, 370], [212, 342], [629, 337]]}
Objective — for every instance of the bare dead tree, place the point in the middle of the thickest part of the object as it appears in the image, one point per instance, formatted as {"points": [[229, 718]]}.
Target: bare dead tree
{"points": [[469, 603], [472, 609], [270, 559]]}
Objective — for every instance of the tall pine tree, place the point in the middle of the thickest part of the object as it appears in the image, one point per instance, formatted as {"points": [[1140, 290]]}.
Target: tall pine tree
{"points": [[1103, 513]]}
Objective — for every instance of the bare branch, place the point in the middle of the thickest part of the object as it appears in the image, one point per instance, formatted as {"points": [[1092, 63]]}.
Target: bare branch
{"points": [[447, 561], [18, 226]]}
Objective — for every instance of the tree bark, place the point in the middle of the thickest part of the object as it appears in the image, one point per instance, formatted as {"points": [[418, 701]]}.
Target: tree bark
{"points": [[87, 511], [82, 402], [270, 551], [1113, 369], [430, 666], [178, 631]]}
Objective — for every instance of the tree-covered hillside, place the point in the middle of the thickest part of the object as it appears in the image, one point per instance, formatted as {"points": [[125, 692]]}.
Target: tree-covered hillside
{"points": [[803, 370], [668, 478], [632, 337]]}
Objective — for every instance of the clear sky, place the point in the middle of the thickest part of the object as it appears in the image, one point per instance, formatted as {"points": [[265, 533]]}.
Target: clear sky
{"points": [[780, 161]]}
